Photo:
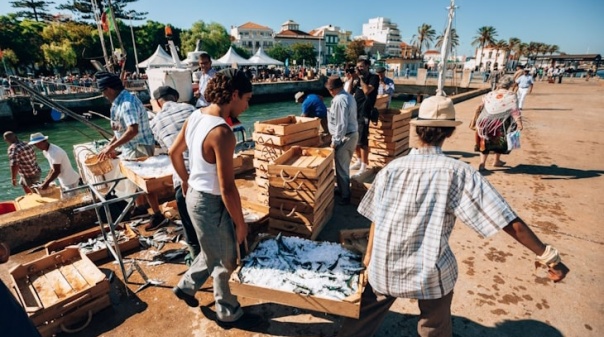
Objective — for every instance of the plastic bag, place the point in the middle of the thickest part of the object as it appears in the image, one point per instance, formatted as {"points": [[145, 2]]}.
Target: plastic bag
{"points": [[513, 140]]}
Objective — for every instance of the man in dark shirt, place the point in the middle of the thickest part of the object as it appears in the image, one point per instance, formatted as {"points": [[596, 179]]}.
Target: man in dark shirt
{"points": [[365, 94]]}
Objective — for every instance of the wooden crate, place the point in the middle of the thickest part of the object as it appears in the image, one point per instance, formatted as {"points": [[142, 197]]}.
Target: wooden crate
{"points": [[261, 138], [383, 124], [147, 184], [376, 160], [60, 288], [287, 125], [309, 230], [393, 115], [389, 132], [388, 138], [309, 196], [307, 184], [348, 307], [270, 152], [303, 163], [389, 152], [376, 144], [381, 102], [355, 239], [83, 236]]}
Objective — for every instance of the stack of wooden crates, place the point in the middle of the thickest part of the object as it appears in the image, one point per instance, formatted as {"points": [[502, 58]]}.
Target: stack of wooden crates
{"points": [[389, 138], [301, 198], [275, 136]]}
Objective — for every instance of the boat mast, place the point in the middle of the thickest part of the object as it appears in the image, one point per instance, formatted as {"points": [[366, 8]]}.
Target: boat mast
{"points": [[119, 37], [97, 19], [444, 52]]}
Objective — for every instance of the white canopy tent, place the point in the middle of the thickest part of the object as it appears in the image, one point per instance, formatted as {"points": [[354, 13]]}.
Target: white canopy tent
{"points": [[193, 57], [262, 59], [159, 59], [231, 57]]}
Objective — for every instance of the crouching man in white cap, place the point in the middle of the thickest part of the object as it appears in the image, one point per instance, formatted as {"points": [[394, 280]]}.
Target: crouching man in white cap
{"points": [[413, 204], [60, 166]]}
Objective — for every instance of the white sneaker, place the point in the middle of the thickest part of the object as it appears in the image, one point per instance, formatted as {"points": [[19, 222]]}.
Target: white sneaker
{"points": [[356, 165], [361, 171]]}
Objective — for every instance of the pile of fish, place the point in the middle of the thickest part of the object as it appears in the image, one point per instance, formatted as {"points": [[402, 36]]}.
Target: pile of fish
{"points": [[156, 166], [98, 243], [302, 266]]}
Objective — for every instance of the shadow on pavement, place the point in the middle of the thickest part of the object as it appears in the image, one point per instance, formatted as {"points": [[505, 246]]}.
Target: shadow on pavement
{"points": [[554, 172]]}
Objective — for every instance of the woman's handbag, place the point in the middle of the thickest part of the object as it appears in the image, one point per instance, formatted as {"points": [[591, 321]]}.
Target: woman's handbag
{"points": [[513, 140]]}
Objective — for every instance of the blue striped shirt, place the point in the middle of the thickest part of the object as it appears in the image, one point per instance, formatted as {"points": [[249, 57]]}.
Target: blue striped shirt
{"points": [[128, 110], [413, 203]]}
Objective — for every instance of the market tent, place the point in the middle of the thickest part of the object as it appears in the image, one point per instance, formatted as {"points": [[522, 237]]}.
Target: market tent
{"points": [[260, 58], [193, 58], [159, 59], [231, 57]]}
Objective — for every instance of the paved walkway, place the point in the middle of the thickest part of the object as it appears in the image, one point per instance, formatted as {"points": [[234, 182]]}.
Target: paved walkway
{"points": [[554, 182]]}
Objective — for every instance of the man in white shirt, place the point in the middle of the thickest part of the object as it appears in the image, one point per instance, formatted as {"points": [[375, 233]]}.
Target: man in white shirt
{"points": [[525, 87], [202, 77], [60, 166]]}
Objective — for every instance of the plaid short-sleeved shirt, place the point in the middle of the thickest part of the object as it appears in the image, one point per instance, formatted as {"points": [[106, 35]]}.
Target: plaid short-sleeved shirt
{"points": [[127, 110], [413, 203], [24, 156]]}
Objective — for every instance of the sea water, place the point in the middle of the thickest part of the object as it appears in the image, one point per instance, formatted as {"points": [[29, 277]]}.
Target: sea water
{"points": [[67, 133]]}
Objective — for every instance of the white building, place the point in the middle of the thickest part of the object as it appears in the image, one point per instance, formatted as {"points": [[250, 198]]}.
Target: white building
{"points": [[491, 57], [383, 30], [251, 36]]}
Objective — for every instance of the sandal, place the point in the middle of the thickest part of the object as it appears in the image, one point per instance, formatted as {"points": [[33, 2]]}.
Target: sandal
{"points": [[498, 163], [481, 168]]}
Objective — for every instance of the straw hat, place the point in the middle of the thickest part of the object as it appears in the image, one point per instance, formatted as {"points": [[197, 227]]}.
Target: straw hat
{"points": [[37, 137], [437, 111]]}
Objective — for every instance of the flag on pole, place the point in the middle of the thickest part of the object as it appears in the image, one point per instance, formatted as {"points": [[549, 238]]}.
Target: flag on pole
{"points": [[106, 21], [287, 62]]}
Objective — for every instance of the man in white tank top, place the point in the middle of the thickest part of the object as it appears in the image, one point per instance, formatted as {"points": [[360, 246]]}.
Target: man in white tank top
{"points": [[212, 197]]}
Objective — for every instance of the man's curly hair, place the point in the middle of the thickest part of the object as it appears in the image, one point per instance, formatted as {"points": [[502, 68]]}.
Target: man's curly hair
{"points": [[224, 83]]}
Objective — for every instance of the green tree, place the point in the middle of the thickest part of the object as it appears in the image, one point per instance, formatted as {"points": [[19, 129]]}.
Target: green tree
{"points": [[485, 36], [32, 9], [354, 50], [423, 38], [339, 54], [280, 52], [214, 38], [9, 58], [83, 9], [500, 45], [242, 52], [304, 53]]}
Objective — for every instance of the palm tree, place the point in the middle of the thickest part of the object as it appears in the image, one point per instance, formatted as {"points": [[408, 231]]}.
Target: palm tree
{"points": [[512, 43], [521, 50], [454, 40], [486, 36], [553, 49], [499, 45], [532, 49], [424, 37]]}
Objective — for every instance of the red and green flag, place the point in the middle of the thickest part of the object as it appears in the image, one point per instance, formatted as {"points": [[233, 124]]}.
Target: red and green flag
{"points": [[106, 21]]}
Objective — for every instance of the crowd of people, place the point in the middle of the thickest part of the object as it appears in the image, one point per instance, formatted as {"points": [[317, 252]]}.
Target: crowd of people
{"points": [[412, 204]]}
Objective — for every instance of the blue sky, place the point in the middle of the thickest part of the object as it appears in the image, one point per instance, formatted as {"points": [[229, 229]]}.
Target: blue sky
{"points": [[575, 26]]}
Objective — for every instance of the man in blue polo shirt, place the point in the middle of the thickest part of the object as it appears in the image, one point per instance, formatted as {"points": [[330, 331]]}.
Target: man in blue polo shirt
{"points": [[313, 106]]}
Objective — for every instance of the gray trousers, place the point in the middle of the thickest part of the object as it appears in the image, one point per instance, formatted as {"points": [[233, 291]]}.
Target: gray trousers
{"points": [[218, 255], [342, 158]]}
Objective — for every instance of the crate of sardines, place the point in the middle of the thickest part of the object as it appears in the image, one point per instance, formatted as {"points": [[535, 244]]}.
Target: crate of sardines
{"points": [[292, 271]]}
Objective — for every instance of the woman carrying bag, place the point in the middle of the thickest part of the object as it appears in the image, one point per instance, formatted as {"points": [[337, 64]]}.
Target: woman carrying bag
{"points": [[496, 117]]}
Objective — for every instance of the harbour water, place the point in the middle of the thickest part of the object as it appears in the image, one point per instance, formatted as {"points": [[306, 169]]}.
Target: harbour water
{"points": [[68, 133]]}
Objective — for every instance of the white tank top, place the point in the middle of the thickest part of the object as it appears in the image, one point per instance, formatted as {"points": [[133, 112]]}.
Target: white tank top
{"points": [[203, 176]]}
